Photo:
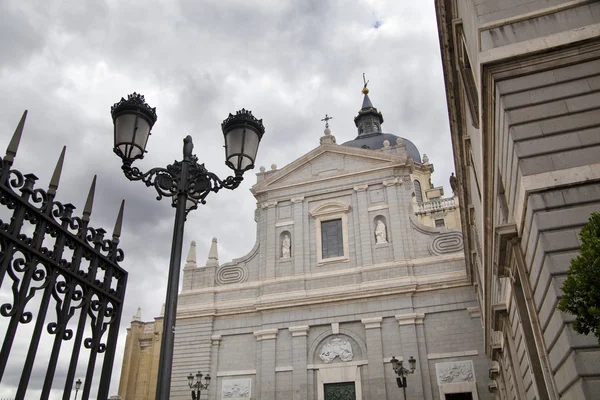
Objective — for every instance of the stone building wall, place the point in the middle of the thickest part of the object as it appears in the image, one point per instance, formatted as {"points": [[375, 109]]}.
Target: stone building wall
{"points": [[527, 153]]}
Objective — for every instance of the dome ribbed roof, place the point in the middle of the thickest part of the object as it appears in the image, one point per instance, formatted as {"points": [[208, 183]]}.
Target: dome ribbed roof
{"points": [[374, 141]]}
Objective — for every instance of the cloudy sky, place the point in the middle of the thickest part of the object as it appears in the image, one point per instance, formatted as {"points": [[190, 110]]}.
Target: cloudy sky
{"points": [[290, 62]]}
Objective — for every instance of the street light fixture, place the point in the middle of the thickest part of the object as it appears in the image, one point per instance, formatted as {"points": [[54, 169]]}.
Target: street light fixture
{"points": [[403, 372], [197, 386], [77, 387], [187, 182]]}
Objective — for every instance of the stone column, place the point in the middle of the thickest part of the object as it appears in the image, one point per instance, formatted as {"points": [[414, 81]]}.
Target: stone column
{"points": [[214, 364], [299, 361], [410, 347], [396, 224], [365, 225], [266, 375], [297, 239], [375, 357]]}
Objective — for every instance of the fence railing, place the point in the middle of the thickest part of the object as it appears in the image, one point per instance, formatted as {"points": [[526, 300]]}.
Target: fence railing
{"points": [[69, 269], [430, 206]]}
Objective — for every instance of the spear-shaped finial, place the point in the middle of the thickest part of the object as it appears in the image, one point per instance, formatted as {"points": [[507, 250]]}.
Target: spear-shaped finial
{"points": [[57, 171], [11, 150], [87, 209], [119, 223]]}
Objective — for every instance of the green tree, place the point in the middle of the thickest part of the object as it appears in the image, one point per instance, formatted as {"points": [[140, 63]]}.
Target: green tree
{"points": [[582, 286]]}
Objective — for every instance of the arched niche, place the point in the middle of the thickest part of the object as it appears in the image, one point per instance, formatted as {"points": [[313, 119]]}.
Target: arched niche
{"points": [[381, 230], [285, 245]]}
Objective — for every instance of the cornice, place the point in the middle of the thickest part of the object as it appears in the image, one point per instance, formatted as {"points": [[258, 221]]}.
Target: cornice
{"points": [[388, 287]]}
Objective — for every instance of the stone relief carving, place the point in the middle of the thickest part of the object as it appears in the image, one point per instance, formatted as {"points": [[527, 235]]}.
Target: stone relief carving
{"points": [[445, 243], [237, 388], [286, 246], [380, 233], [455, 372], [336, 347], [231, 274], [407, 182]]}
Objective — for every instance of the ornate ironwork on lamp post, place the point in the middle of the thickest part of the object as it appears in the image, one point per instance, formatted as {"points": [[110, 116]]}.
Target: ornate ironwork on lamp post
{"points": [[403, 372], [197, 386], [187, 182]]}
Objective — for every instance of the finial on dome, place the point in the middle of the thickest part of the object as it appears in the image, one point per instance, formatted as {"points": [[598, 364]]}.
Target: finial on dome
{"points": [[365, 90]]}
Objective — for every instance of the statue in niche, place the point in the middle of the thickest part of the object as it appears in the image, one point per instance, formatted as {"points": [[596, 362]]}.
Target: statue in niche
{"points": [[286, 246], [380, 233], [336, 348]]}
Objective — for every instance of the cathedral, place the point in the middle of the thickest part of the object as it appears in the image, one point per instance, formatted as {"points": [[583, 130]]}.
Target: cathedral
{"points": [[358, 264]]}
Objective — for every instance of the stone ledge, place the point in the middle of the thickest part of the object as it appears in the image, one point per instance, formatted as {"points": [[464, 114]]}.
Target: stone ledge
{"points": [[266, 334], [467, 353], [236, 373]]}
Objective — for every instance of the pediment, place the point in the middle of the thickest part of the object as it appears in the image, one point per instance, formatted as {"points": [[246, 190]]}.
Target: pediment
{"points": [[325, 162]]}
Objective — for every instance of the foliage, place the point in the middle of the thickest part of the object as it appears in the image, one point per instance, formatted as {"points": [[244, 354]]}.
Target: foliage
{"points": [[582, 286]]}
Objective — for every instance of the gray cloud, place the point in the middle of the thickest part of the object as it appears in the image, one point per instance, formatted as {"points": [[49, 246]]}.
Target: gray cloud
{"points": [[289, 62]]}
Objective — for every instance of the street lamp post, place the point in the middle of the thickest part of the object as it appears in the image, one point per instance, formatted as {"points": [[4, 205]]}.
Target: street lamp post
{"points": [[77, 387], [197, 386], [403, 372], [187, 182]]}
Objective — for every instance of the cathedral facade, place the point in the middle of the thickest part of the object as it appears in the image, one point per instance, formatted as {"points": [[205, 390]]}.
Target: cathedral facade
{"points": [[358, 259]]}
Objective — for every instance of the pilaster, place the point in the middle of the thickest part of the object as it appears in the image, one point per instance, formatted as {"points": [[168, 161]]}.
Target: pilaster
{"points": [[214, 362], [271, 242], [375, 357], [266, 376], [297, 239], [299, 363], [407, 324], [365, 226], [396, 224]]}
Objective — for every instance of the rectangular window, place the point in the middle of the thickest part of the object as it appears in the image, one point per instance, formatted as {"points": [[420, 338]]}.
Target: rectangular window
{"points": [[439, 223], [332, 239]]}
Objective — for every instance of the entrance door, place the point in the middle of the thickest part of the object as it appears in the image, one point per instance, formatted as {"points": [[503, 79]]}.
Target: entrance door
{"points": [[459, 396], [340, 391]]}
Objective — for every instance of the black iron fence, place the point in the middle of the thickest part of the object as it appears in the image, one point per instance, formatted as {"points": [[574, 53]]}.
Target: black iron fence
{"points": [[70, 271]]}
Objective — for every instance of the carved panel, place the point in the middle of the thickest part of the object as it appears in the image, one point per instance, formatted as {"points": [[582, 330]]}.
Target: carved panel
{"points": [[407, 182], [449, 242], [236, 388], [376, 195], [336, 347], [454, 372], [228, 274], [284, 212]]}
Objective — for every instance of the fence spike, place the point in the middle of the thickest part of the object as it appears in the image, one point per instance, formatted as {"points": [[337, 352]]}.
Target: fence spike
{"points": [[11, 150], [57, 171], [87, 209], [119, 223]]}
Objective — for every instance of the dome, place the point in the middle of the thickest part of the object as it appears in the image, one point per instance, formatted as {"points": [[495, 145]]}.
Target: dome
{"points": [[374, 141]]}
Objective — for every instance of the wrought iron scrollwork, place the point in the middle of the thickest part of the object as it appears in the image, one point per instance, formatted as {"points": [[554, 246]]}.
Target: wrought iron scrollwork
{"points": [[197, 183], [36, 265]]}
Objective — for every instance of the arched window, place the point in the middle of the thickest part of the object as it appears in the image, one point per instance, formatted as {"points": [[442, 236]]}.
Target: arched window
{"points": [[418, 192]]}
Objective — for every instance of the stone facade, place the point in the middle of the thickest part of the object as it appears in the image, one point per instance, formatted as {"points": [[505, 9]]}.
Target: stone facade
{"points": [[140, 360], [273, 325], [522, 82]]}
